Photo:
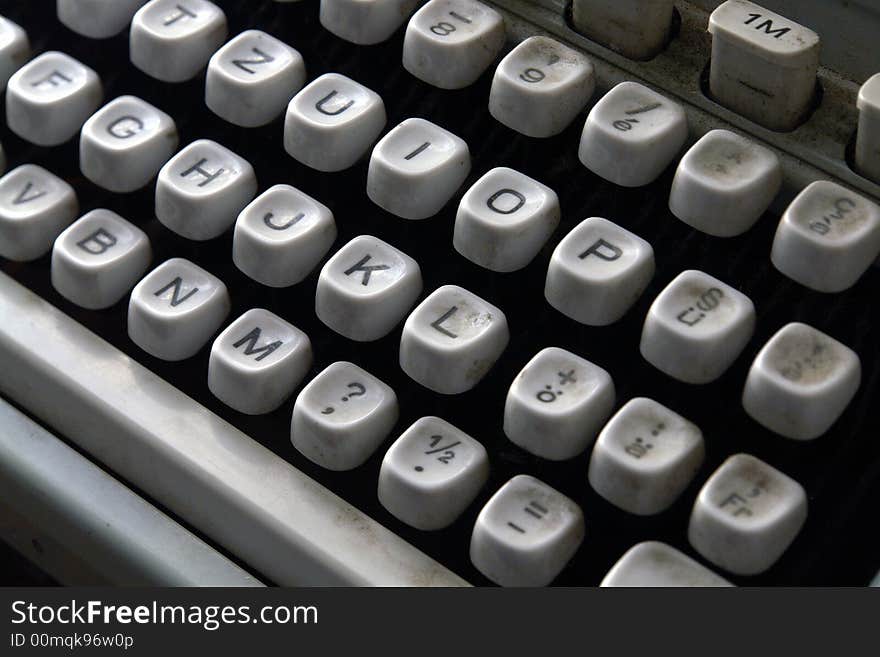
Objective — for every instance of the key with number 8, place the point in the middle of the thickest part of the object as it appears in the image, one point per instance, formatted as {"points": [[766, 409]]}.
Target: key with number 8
{"points": [[449, 43]]}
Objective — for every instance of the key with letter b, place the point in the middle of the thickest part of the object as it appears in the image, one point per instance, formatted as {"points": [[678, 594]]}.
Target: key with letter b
{"points": [[98, 259]]}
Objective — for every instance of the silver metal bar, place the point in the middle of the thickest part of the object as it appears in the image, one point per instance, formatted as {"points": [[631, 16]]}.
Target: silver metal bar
{"points": [[229, 487]]}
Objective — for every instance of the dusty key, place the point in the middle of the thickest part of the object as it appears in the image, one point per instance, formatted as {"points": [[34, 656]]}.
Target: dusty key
{"points": [[557, 404], [801, 382], [645, 457], [526, 533], [746, 515], [655, 564], [431, 474]]}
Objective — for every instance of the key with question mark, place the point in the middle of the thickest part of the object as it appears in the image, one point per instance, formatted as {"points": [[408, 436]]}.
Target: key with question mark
{"points": [[341, 416], [358, 387]]}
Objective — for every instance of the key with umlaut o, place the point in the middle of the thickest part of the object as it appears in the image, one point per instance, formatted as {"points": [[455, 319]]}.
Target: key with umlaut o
{"points": [[252, 78], [801, 382], [175, 309], [202, 189], [172, 40], [526, 533], [746, 515], [365, 22], [97, 19], [257, 361], [697, 327], [35, 206], [637, 29], [123, 145], [632, 134], [332, 122], [598, 271], [540, 86], [557, 404], [449, 43], [655, 564], [342, 416], [827, 238], [15, 48], [366, 289], [49, 98], [98, 258], [504, 220], [724, 183], [416, 168], [645, 457], [431, 474], [452, 339], [763, 65], [281, 236]]}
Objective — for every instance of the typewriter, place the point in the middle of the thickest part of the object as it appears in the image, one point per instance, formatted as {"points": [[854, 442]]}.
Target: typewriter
{"points": [[402, 293]]}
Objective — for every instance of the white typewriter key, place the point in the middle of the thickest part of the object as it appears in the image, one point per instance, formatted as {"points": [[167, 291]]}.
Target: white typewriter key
{"points": [[632, 135], [172, 40], [257, 361], [868, 136], [342, 416], [452, 339], [365, 22], [645, 457], [540, 87], [98, 259], [557, 404], [125, 143], [281, 236], [697, 327], [637, 29], [35, 206], [97, 19], [724, 183], [526, 533], [49, 98], [176, 309], [763, 65], [827, 238], [746, 515], [504, 220], [431, 474], [598, 271], [366, 289], [416, 168], [449, 43], [201, 191], [801, 382], [15, 49], [332, 122], [655, 564], [252, 78]]}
